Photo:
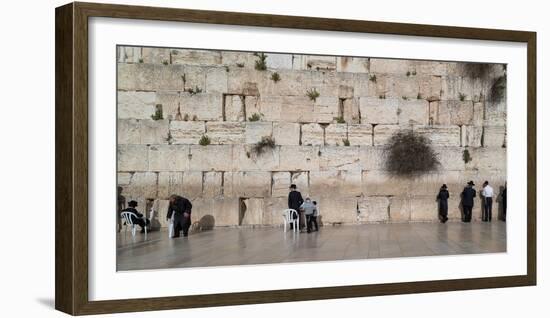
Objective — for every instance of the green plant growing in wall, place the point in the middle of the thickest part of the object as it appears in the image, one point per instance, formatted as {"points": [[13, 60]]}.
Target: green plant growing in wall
{"points": [[158, 113], [255, 117], [466, 156], [186, 117], [204, 141], [382, 96], [260, 63], [404, 97], [408, 73], [165, 62], [240, 64], [194, 91], [340, 120], [462, 96], [414, 73], [195, 118], [419, 96], [409, 153], [372, 78], [267, 142], [275, 77], [140, 60], [313, 94], [346, 142]]}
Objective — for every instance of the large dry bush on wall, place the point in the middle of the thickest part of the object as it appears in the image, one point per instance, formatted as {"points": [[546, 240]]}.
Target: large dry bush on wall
{"points": [[409, 153]]}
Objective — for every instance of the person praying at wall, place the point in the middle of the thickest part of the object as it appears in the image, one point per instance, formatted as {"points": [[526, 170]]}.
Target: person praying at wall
{"points": [[468, 195], [442, 198], [137, 218], [295, 200], [121, 205], [309, 209], [180, 207], [487, 194]]}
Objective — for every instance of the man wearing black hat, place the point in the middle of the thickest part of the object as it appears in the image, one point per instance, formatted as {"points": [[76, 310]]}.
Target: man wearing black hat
{"points": [[442, 198], [295, 200], [181, 208], [137, 218], [468, 195]]}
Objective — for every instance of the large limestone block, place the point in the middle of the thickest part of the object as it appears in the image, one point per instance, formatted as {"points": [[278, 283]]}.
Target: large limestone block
{"points": [[128, 131], [335, 182], [155, 55], [286, 133], [424, 208], [290, 83], [186, 132], [280, 184], [446, 136], [252, 211], [457, 88], [372, 158], [336, 134], [404, 87], [195, 57], [351, 111], [456, 112], [450, 158], [471, 136], [325, 109], [378, 111], [479, 113], [170, 78], [273, 212], [352, 64], [433, 68], [137, 105], [168, 158], [339, 158], [314, 62], [252, 106], [296, 158], [428, 184], [216, 79], [123, 178], [247, 184], [255, 131], [238, 59], [129, 54], [234, 108], [391, 66], [382, 183], [161, 211], [494, 136], [374, 209], [301, 180], [202, 106], [212, 184], [245, 81], [493, 158], [171, 105], [153, 131], [210, 158], [383, 134], [312, 134], [495, 113], [413, 112], [143, 185], [194, 77], [360, 134], [226, 133], [399, 209], [288, 108], [132, 158], [171, 183], [245, 158], [429, 87], [345, 91], [279, 61], [337, 210], [135, 77], [210, 212]]}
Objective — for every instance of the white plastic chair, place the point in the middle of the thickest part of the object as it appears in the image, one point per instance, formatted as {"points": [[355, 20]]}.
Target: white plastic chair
{"points": [[290, 216], [127, 216]]}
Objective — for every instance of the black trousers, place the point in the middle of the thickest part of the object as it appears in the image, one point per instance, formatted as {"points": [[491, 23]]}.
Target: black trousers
{"points": [[141, 222], [311, 220], [443, 211], [181, 223], [487, 209], [467, 213]]}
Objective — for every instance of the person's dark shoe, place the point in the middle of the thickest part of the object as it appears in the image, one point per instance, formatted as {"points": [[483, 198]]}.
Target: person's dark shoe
{"points": [[176, 236], [142, 231], [185, 234]]}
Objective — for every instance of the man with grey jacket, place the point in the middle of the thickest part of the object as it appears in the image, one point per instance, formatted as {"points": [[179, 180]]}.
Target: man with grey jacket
{"points": [[309, 210]]}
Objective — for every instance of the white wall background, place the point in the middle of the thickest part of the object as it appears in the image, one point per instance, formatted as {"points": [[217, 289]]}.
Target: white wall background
{"points": [[27, 157]]}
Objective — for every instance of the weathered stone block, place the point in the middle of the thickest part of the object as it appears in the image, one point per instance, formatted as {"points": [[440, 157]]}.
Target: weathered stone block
{"points": [[314, 62], [210, 158], [247, 184], [202, 106], [168, 158], [391, 66], [295, 158], [312, 134], [345, 91], [171, 105], [494, 136], [255, 131], [457, 88], [450, 158], [423, 208], [471, 136], [252, 106], [382, 183], [378, 111], [170, 77], [279, 61], [215, 212], [301, 180], [132, 77], [429, 184], [404, 86], [193, 78], [245, 158], [339, 158], [360, 134], [123, 178], [234, 108], [212, 184], [128, 131], [153, 131], [155, 55], [245, 81], [286, 133], [280, 184], [479, 112], [399, 209], [325, 109], [143, 185], [413, 112], [440, 135], [456, 112], [216, 79], [138, 105], [273, 212], [383, 134], [374, 209], [242, 60], [352, 64], [350, 107], [195, 57], [372, 158], [337, 210], [429, 87], [335, 182], [336, 134], [492, 158], [132, 158], [186, 132], [495, 113], [433, 68], [171, 183], [252, 211], [226, 133], [128, 54]]}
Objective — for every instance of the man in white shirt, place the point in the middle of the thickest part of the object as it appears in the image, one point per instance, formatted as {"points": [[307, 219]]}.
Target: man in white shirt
{"points": [[487, 194]]}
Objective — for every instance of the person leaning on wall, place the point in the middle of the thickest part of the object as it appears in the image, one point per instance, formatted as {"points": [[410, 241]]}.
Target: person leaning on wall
{"points": [[442, 198], [181, 208], [468, 195]]}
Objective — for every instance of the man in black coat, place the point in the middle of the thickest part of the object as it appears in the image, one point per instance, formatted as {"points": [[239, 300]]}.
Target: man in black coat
{"points": [[181, 208], [137, 218], [442, 198], [468, 195], [295, 200]]}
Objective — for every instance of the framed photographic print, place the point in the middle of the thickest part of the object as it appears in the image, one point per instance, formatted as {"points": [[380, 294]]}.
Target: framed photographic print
{"points": [[211, 158]]}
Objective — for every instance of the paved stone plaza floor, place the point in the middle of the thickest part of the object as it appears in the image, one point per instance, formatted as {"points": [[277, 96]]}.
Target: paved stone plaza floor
{"points": [[234, 246]]}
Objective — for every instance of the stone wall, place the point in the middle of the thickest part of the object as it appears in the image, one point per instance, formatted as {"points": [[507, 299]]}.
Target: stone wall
{"points": [[331, 146]]}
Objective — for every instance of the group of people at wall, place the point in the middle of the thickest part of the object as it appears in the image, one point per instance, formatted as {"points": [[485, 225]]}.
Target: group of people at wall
{"points": [[467, 202], [307, 207]]}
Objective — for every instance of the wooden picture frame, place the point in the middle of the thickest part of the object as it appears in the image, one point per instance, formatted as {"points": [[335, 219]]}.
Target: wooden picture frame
{"points": [[71, 290]]}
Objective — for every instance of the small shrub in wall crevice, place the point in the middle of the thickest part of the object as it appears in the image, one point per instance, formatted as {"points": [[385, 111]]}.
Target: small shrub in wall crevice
{"points": [[409, 153]]}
